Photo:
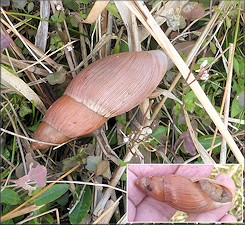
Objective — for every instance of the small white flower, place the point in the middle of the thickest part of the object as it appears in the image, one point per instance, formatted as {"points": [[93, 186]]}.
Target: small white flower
{"points": [[149, 130], [70, 47], [125, 139], [205, 76]]}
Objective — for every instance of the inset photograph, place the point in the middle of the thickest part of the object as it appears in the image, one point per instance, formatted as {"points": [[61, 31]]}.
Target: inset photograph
{"points": [[184, 193]]}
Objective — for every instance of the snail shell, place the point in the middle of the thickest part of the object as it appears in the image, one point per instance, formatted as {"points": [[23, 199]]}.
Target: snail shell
{"points": [[184, 194], [104, 89]]}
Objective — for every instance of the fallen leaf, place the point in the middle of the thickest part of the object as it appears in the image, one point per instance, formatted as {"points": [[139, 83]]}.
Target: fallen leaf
{"points": [[37, 174], [98, 166], [192, 10], [188, 144], [5, 41], [19, 172], [102, 167]]}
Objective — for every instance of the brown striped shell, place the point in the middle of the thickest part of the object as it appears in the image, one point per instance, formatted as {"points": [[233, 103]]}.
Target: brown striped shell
{"points": [[104, 89], [184, 194]]}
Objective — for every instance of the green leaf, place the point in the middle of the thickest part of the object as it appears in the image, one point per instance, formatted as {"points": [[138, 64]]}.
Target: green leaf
{"points": [[19, 4], [228, 22], [8, 222], [68, 163], [73, 21], [51, 194], [24, 109], [236, 66], [206, 141], [177, 108], [4, 174], [116, 49], [112, 137], [34, 221], [92, 162], [49, 219], [241, 62], [212, 47], [122, 163], [124, 177], [61, 17], [159, 133], [63, 200], [56, 78], [6, 153], [55, 16], [30, 7], [204, 2], [70, 4], [85, 2], [236, 86], [121, 119], [235, 109], [209, 59], [216, 9], [113, 10], [124, 47], [10, 197], [83, 15], [82, 208]]}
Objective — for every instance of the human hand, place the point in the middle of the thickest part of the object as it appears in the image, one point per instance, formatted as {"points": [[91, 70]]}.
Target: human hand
{"points": [[142, 208]]}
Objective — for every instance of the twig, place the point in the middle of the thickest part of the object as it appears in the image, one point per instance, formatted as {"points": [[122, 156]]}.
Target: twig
{"points": [[27, 138], [42, 214], [20, 212], [105, 213], [223, 150], [88, 183], [106, 148]]}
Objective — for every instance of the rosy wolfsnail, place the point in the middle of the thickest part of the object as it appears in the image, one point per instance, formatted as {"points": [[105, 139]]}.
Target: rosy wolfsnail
{"points": [[104, 89], [185, 194]]}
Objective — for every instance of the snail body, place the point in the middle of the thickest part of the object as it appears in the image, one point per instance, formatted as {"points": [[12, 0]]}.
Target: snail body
{"points": [[106, 88], [184, 194]]}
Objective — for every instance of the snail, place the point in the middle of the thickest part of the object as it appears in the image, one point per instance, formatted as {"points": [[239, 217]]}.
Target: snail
{"points": [[106, 88], [185, 194]]}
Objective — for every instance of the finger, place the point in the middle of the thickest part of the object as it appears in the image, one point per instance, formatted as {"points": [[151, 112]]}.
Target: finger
{"points": [[146, 170], [211, 216], [194, 171], [151, 210], [216, 214], [134, 193], [131, 211], [227, 181], [228, 219]]}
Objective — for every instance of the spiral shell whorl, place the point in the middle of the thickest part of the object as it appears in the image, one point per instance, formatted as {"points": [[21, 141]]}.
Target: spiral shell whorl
{"points": [[74, 120], [129, 80], [184, 194], [106, 88]]}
